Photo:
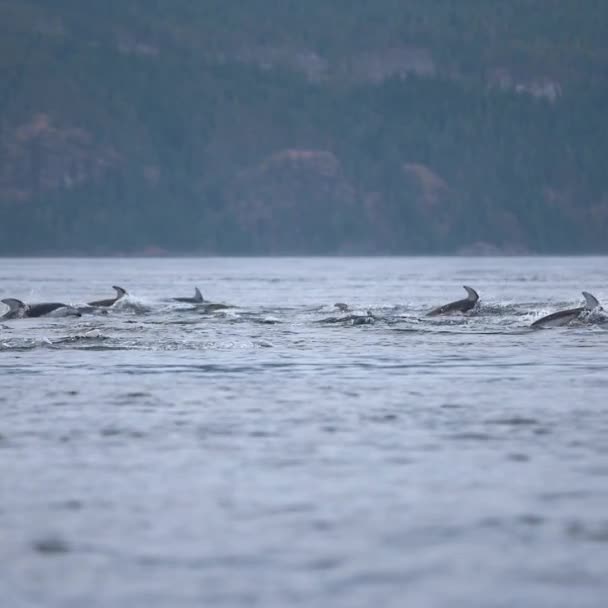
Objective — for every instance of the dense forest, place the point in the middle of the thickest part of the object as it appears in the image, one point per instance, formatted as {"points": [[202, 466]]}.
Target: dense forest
{"points": [[290, 127]]}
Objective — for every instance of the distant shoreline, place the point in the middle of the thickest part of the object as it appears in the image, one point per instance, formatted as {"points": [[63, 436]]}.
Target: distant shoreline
{"points": [[140, 256]]}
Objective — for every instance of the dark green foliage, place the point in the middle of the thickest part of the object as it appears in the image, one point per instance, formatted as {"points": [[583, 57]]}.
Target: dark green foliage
{"points": [[178, 132]]}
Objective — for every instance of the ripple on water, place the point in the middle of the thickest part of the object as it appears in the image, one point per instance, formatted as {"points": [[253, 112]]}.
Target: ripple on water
{"points": [[405, 461], [473, 436], [518, 457], [514, 421], [589, 532], [51, 545]]}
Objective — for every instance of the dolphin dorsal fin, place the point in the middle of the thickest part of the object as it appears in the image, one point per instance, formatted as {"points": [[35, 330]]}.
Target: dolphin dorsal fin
{"points": [[198, 296], [591, 302], [14, 305], [472, 295], [120, 292]]}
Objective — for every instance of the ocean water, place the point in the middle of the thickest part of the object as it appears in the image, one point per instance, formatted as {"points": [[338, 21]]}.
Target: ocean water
{"points": [[282, 453]]}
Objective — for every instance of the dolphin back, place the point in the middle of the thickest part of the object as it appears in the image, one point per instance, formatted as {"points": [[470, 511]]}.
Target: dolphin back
{"points": [[16, 308], [198, 296], [120, 292], [472, 295], [44, 308], [560, 318], [459, 306], [591, 302], [13, 304]]}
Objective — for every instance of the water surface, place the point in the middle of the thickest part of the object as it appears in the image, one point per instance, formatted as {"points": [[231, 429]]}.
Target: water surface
{"points": [[275, 455]]}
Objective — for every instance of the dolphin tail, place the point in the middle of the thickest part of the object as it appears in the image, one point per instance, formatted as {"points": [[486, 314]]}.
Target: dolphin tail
{"points": [[15, 307], [120, 292], [198, 296], [472, 295], [591, 302]]}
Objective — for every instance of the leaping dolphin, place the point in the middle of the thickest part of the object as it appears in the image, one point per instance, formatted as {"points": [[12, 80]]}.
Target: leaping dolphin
{"points": [[564, 317], [20, 310], [196, 299], [458, 306], [120, 293]]}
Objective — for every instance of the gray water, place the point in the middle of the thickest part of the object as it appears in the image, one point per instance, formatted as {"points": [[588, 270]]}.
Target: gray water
{"points": [[159, 456]]}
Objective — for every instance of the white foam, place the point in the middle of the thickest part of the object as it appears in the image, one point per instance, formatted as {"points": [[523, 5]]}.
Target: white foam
{"points": [[132, 304]]}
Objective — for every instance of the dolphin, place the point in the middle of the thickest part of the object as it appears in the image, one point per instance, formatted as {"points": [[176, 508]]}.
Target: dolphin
{"points": [[120, 293], [20, 310], [213, 306], [366, 319], [206, 306], [564, 317], [196, 299], [458, 306], [354, 319]]}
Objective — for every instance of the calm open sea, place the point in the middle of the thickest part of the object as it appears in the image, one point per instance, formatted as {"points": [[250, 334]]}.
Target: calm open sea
{"points": [[282, 453]]}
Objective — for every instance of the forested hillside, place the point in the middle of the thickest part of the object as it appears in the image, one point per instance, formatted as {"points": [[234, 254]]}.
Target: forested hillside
{"points": [[283, 126]]}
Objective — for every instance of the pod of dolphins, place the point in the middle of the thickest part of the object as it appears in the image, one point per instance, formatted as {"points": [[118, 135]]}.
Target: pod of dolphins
{"points": [[19, 309]]}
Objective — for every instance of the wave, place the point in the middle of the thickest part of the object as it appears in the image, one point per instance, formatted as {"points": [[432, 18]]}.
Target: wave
{"points": [[24, 344], [132, 304]]}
